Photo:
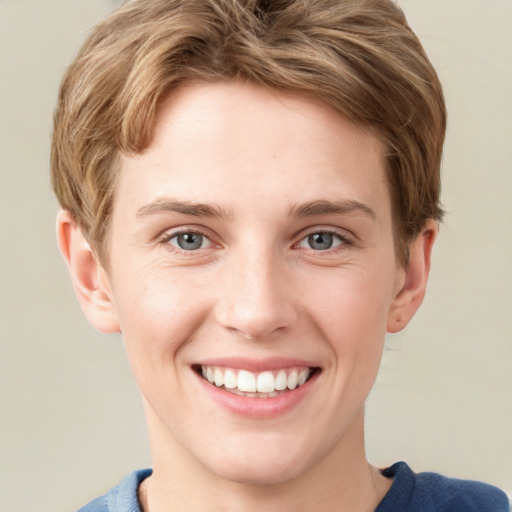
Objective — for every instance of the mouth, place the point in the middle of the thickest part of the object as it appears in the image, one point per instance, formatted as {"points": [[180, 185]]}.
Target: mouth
{"points": [[265, 384]]}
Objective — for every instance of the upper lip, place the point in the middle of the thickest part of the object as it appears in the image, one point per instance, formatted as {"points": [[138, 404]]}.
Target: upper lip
{"points": [[258, 365]]}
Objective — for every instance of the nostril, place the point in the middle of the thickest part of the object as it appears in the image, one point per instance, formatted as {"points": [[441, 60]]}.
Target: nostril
{"points": [[258, 327]]}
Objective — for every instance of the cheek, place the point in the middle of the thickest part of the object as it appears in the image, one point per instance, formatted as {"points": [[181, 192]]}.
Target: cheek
{"points": [[158, 311], [158, 317], [352, 316], [352, 304]]}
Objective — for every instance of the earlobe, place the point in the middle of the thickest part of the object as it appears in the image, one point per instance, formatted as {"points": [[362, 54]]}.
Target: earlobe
{"points": [[89, 278], [410, 296]]}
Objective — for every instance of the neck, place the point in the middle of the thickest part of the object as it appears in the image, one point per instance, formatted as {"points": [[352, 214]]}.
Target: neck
{"points": [[342, 481]]}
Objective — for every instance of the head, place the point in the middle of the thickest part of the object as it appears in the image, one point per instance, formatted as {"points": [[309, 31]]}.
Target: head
{"points": [[251, 187], [359, 57]]}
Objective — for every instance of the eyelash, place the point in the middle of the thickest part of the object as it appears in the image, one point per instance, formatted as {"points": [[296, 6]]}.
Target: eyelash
{"points": [[165, 240], [343, 240]]}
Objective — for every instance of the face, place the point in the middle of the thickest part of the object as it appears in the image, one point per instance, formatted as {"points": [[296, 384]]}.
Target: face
{"points": [[253, 275]]}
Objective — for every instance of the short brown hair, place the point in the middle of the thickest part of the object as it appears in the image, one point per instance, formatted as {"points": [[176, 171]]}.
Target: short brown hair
{"points": [[359, 56]]}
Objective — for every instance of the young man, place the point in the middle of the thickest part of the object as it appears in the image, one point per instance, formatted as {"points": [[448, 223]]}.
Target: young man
{"points": [[250, 195]]}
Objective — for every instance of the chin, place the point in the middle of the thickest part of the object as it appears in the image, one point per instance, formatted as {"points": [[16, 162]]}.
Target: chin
{"points": [[258, 475], [261, 464]]}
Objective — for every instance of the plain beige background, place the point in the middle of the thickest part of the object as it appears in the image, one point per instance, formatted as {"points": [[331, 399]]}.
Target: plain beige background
{"points": [[71, 424]]}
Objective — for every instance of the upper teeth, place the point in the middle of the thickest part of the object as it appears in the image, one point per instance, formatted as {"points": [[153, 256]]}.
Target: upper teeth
{"points": [[249, 382]]}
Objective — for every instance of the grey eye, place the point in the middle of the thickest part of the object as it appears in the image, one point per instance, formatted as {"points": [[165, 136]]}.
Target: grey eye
{"points": [[320, 241], [188, 241]]}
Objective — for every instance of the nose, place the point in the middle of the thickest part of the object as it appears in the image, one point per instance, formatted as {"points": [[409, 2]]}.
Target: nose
{"points": [[256, 296]]}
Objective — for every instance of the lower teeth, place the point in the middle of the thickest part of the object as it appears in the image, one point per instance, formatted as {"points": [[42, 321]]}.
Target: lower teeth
{"points": [[253, 395]]}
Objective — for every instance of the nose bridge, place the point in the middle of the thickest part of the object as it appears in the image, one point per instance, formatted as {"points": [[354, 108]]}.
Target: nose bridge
{"points": [[256, 298]]}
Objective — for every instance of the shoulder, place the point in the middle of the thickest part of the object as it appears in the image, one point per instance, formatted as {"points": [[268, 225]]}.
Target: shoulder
{"points": [[454, 495], [431, 492], [97, 505], [122, 498]]}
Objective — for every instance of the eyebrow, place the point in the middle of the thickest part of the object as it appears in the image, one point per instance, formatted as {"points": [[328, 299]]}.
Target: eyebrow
{"points": [[310, 209], [322, 207], [183, 207]]}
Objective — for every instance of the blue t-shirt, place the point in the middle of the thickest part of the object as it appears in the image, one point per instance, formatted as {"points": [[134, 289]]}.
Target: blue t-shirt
{"points": [[410, 492]]}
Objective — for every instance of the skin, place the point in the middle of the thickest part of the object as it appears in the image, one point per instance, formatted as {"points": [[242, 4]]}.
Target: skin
{"points": [[257, 161]]}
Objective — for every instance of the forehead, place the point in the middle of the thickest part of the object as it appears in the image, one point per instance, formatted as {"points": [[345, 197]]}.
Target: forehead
{"points": [[240, 144]]}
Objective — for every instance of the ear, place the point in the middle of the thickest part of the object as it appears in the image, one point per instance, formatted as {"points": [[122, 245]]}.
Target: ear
{"points": [[410, 295], [89, 278]]}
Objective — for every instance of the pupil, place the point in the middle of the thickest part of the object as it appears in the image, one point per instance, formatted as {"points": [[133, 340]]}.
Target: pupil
{"points": [[320, 241], [189, 241]]}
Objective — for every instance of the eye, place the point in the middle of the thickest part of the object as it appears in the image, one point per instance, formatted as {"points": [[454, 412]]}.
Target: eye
{"points": [[189, 241], [323, 241]]}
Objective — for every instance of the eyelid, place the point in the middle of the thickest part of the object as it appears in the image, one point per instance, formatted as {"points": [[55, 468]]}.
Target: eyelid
{"points": [[205, 241], [169, 234], [345, 237]]}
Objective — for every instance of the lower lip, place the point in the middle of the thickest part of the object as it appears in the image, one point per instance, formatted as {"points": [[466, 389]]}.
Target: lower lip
{"points": [[259, 408]]}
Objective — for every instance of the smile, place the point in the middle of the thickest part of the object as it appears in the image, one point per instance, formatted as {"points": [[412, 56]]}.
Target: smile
{"points": [[266, 384]]}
